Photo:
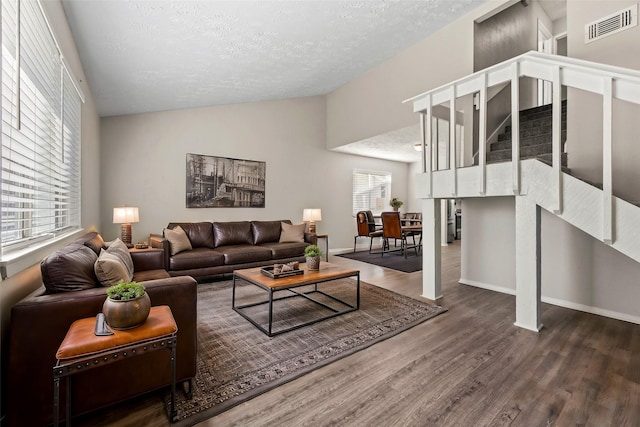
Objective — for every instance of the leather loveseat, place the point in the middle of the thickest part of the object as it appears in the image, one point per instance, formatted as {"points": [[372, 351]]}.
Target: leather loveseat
{"points": [[39, 323], [222, 247]]}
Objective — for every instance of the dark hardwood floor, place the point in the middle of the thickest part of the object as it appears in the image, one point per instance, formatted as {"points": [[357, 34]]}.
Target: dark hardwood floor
{"points": [[467, 367]]}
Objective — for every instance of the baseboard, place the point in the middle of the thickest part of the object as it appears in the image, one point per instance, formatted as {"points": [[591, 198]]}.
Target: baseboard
{"points": [[593, 310], [339, 251], [558, 302], [487, 286]]}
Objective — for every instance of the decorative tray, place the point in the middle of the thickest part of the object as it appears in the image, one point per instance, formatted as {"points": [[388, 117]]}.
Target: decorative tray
{"points": [[268, 271]]}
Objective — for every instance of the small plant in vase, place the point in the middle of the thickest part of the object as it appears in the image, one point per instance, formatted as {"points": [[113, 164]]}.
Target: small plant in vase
{"points": [[127, 305], [313, 254], [395, 203]]}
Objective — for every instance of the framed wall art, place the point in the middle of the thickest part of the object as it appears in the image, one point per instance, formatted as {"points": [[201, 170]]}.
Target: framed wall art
{"points": [[221, 182]]}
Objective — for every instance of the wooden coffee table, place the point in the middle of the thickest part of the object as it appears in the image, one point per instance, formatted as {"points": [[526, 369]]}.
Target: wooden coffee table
{"points": [[328, 272]]}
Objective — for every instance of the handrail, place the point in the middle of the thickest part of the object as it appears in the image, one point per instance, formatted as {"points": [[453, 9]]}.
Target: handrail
{"points": [[465, 84], [610, 82]]}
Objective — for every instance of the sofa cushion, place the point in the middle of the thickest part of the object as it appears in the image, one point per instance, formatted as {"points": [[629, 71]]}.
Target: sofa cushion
{"points": [[178, 240], [196, 258], [292, 233], [285, 250], [200, 234], [232, 233], [143, 276], [110, 270], [94, 241], [120, 249], [266, 231], [239, 254], [69, 269]]}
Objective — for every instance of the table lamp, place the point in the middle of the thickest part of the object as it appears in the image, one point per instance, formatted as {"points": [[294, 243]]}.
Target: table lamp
{"points": [[312, 215], [125, 216]]}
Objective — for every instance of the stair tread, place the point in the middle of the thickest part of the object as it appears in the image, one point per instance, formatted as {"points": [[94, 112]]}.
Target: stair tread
{"points": [[530, 140]]}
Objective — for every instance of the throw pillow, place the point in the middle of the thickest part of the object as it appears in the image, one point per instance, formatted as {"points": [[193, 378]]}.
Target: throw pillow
{"points": [[178, 240], [292, 233], [69, 269], [110, 270], [119, 249], [95, 242]]}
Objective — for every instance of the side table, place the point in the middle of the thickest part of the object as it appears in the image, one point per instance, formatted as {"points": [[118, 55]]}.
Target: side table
{"points": [[82, 350]]}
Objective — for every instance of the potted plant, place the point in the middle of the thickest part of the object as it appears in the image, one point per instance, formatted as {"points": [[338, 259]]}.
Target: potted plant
{"points": [[395, 203], [127, 305], [313, 254]]}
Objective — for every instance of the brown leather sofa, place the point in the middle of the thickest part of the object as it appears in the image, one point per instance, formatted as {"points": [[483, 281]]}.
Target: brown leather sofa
{"points": [[222, 247], [39, 323]]}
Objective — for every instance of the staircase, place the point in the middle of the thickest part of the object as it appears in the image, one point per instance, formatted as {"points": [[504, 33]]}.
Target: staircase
{"points": [[535, 137], [510, 167]]}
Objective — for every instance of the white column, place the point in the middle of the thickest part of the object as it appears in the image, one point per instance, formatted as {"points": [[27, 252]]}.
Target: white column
{"points": [[431, 251], [528, 267]]}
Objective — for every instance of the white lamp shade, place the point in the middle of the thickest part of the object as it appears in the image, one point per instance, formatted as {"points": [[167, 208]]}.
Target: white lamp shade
{"points": [[125, 215], [312, 215]]}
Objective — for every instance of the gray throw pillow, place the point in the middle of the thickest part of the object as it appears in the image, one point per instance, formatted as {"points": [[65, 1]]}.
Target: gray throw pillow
{"points": [[292, 233], [119, 249], [110, 270], [178, 240]]}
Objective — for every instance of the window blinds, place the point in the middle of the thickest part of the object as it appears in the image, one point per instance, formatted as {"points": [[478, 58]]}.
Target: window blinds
{"points": [[371, 191], [41, 117]]}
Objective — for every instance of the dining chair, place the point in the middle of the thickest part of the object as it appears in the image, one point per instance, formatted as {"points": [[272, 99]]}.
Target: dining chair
{"points": [[392, 229], [366, 228], [372, 221]]}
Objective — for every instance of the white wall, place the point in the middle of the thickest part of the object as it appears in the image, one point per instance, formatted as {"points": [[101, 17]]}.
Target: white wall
{"points": [[583, 273], [584, 110], [488, 244], [144, 164]]}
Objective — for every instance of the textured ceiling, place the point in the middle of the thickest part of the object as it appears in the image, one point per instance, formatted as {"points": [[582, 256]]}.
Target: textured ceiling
{"points": [[145, 55], [156, 55]]}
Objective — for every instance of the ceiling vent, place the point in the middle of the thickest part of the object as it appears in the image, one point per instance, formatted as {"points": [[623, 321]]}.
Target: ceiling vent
{"points": [[611, 24]]}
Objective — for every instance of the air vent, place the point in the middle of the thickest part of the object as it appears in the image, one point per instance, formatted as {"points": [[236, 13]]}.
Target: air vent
{"points": [[611, 24]]}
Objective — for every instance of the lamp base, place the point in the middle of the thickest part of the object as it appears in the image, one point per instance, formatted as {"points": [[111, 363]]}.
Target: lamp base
{"points": [[312, 227], [125, 234]]}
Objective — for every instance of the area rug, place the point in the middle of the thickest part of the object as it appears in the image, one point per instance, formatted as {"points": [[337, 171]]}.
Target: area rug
{"points": [[393, 260], [237, 362]]}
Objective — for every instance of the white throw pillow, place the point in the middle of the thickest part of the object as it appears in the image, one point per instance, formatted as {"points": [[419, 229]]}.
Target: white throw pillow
{"points": [[178, 239], [292, 233], [110, 270]]}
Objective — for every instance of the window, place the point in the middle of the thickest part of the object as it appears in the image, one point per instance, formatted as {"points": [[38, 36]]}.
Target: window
{"points": [[41, 108], [371, 191]]}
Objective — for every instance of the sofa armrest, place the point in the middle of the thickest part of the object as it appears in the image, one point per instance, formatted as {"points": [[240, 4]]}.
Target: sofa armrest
{"points": [[39, 323], [147, 259], [158, 241], [311, 238]]}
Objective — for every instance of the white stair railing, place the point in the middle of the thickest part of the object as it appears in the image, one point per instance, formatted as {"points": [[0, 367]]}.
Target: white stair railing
{"points": [[608, 81]]}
